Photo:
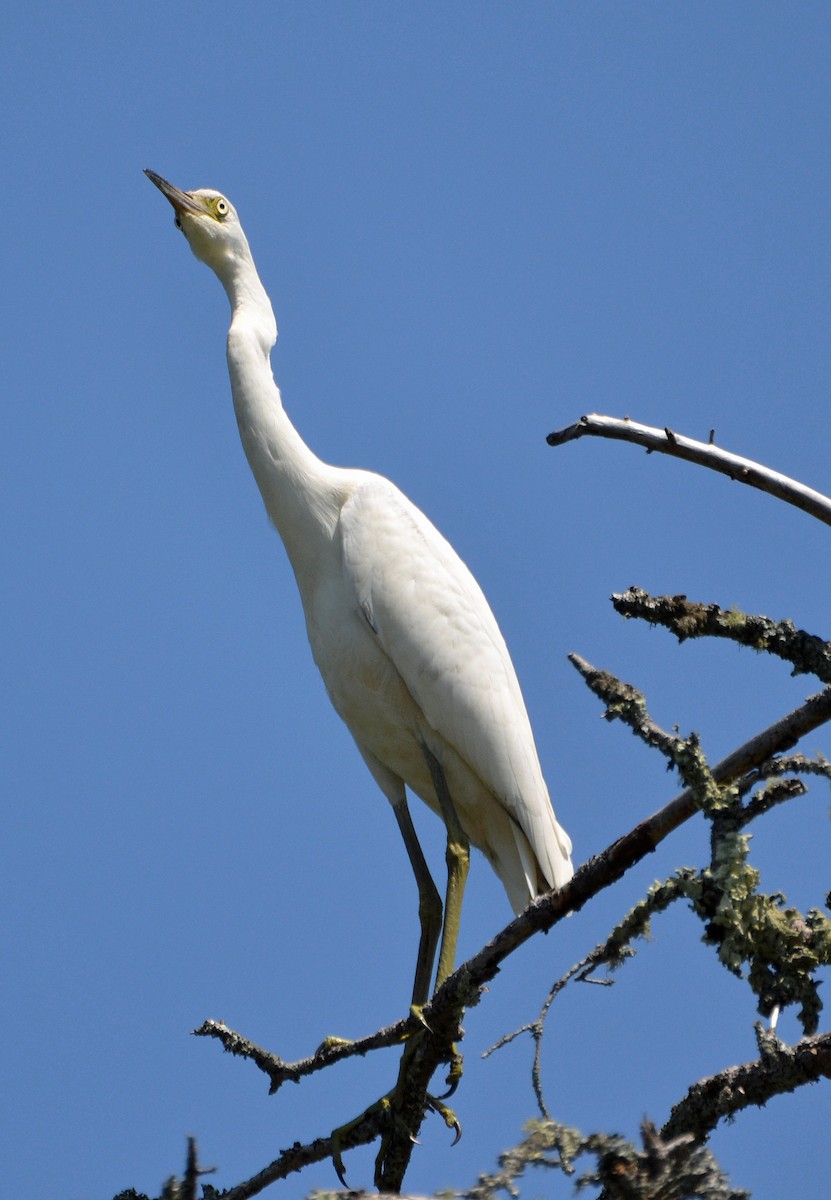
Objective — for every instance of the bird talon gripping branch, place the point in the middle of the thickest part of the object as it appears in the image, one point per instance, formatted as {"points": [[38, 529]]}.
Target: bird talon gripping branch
{"points": [[454, 1074], [381, 1110], [331, 1043], [417, 1011], [447, 1115]]}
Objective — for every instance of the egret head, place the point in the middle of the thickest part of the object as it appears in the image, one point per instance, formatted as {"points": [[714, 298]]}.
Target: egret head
{"points": [[208, 221]]}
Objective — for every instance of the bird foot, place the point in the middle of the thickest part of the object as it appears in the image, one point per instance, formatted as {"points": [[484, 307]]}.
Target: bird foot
{"points": [[386, 1111], [436, 1105], [455, 1062], [331, 1043], [395, 1123], [417, 1012], [394, 1102], [339, 1135]]}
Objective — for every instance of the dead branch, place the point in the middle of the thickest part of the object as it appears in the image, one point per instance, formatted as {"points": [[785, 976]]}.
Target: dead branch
{"points": [[331, 1051], [807, 653], [705, 454], [438, 1027], [295, 1159], [464, 987], [779, 1069]]}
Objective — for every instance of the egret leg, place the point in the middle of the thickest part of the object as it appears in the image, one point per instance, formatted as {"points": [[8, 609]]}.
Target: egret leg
{"points": [[429, 905], [430, 914], [458, 862], [388, 1173]]}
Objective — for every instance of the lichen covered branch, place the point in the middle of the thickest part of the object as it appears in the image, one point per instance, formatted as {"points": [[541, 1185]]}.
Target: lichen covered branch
{"points": [[807, 653], [779, 1069]]}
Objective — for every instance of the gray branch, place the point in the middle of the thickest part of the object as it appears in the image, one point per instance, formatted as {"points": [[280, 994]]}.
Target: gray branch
{"points": [[705, 454], [807, 653], [331, 1051], [463, 989], [779, 1069]]}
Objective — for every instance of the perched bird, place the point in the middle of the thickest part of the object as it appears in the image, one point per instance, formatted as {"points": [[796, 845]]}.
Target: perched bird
{"points": [[408, 648]]}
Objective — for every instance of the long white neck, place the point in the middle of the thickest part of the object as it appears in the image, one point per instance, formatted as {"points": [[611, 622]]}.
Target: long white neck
{"points": [[302, 495]]}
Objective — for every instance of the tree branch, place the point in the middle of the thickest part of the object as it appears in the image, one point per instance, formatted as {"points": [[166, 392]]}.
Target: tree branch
{"points": [[779, 1069], [611, 864], [331, 1051], [295, 1159], [782, 735], [438, 1026], [705, 454], [779, 789], [807, 653]]}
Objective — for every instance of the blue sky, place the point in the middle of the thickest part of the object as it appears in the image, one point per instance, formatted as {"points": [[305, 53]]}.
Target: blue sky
{"points": [[476, 222]]}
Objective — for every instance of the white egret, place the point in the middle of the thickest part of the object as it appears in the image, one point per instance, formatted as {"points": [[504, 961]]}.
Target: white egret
{"points": [[408, 648]]}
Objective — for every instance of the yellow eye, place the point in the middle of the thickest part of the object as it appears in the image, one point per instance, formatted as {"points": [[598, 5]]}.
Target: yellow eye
{"points": [[221, 207]]}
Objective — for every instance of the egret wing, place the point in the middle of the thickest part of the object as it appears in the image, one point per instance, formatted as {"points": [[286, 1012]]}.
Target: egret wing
{"points": [[434, 623]]}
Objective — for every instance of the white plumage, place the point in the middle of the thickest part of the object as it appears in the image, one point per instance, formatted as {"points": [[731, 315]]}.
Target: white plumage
{"points": [[408, 648]]}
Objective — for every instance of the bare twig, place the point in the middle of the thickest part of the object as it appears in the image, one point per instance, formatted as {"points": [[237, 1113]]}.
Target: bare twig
{"points": [[625, 703], [790, 764], [582, 970], [193, 1172], [778, 791], [705, 454], [665, 1169], [331, 1051]]}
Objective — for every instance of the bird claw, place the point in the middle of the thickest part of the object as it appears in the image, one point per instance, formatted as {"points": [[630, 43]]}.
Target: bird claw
{"points": [[417, 1011], [337, 1160], [447, 1115], [454, 1075], [342, 1132], [389, 1105]]}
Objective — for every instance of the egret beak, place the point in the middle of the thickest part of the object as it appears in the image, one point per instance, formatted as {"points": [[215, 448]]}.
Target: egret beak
{"points": [[181, 201]]}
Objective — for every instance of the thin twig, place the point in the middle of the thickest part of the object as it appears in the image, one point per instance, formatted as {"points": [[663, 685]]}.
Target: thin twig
{"points": [[331, 1051], [773, 771], [705, 454], [536, 1028], [625, 703], [193, 1172]]}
